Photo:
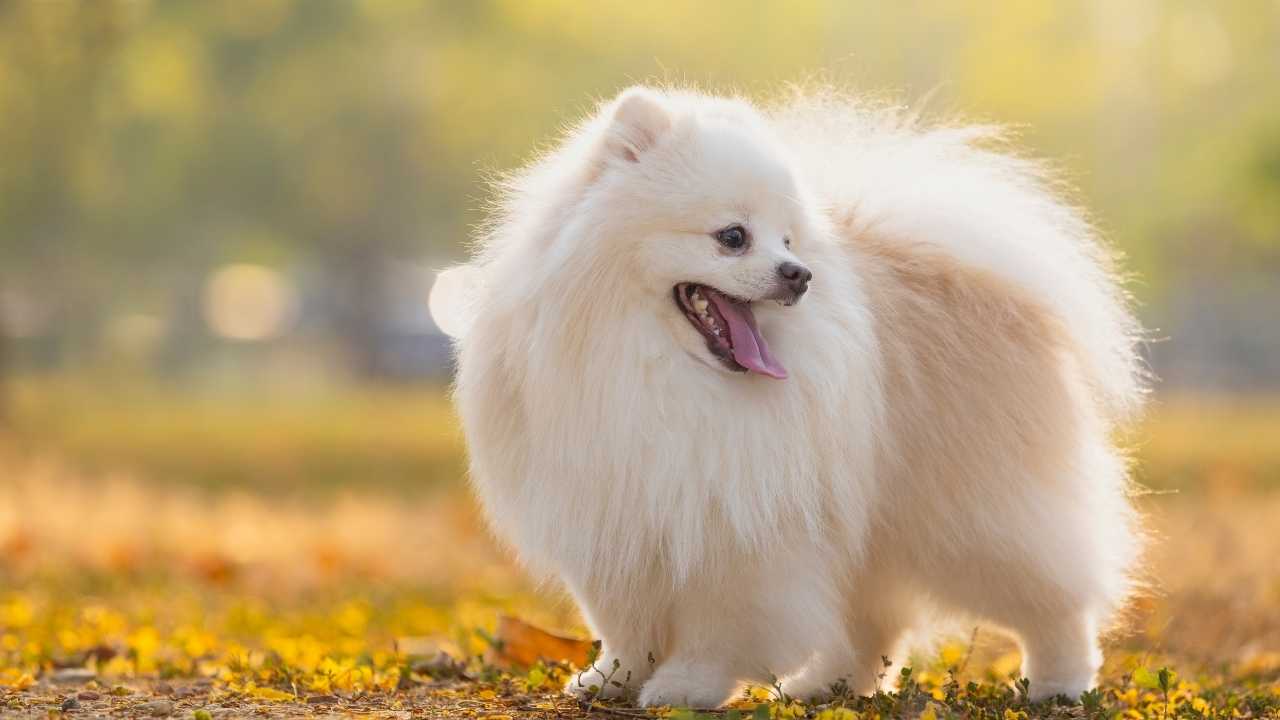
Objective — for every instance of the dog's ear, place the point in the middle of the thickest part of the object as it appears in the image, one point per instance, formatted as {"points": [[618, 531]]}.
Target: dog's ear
{"points": [[639, 120]]}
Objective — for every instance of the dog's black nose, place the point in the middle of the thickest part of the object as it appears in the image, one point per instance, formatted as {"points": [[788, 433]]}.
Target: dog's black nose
{"points": [[796, 276]]}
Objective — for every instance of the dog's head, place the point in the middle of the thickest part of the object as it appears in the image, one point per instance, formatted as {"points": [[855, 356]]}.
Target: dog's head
{"points": [[702, 203]]}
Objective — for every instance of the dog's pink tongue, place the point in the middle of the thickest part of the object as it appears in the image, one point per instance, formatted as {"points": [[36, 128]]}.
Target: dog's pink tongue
{"points": [[749, 348]]}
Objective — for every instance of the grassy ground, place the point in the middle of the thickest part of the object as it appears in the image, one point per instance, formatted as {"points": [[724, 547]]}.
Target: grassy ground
{"points": [[269, 441], [272, 556]]}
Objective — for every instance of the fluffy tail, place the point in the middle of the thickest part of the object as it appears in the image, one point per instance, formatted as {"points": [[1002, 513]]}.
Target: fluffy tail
{"points": [[958, 188]]}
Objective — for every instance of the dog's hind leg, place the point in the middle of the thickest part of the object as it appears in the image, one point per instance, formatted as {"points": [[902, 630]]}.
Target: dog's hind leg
{"points": [[1060, 654], [1052, 570], [854, 659]]}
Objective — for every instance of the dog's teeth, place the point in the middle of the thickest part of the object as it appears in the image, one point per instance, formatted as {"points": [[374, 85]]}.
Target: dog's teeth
{"points": [[700, 304]]}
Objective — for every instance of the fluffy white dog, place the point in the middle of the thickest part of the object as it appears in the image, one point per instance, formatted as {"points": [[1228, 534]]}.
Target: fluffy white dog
{"points": [[766, 388]]}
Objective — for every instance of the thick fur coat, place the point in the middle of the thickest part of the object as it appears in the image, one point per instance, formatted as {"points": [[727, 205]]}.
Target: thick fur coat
{"points": [[941, 444]]}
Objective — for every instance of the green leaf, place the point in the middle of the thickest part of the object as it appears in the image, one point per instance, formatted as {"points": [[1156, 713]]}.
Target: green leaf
{"points": [[1165, 677], [537, 676], [1146, 679]]}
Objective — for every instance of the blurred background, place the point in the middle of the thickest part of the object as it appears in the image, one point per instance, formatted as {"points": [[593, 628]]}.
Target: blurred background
{"points": [[220, 221], [235, 193]]}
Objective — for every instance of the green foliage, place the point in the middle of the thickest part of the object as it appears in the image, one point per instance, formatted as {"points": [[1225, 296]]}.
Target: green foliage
{"points": [[144, 142]]}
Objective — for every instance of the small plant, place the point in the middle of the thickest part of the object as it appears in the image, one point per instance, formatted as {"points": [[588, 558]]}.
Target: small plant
{"points": [[606, 679], [885, 664], [1164, 679], [1023, 686], [1091, 701]]}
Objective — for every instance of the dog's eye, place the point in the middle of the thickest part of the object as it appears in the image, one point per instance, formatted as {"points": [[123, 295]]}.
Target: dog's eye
{"points": [[786, 242], [733, 237]]}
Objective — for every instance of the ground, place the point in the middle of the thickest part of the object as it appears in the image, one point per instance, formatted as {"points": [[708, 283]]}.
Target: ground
{"points": [[281, 557]]}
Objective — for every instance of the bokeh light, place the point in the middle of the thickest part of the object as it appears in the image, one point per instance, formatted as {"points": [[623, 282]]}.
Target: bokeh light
{"points": [[248, 302]]}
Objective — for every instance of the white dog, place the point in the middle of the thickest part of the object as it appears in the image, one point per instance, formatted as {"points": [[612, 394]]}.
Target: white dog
{"points": [[765, 388]]}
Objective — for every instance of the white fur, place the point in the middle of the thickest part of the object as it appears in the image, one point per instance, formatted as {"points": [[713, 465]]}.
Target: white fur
{"points": [[737, 526]]}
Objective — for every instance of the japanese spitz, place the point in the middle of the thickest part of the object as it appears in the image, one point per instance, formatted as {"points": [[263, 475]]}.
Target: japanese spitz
{"points": [[767, 388]]}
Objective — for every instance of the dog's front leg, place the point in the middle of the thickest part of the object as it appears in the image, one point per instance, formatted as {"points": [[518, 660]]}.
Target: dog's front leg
{"points": [[631, 633]]}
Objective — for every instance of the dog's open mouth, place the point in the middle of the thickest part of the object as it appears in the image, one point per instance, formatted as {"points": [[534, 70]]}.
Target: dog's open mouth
{"points": [[730, 329]]}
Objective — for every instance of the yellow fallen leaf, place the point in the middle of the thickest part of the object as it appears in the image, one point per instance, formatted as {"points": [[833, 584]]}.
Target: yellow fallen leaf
{"points": [[791, 711], [519, 644], [16, 679], [953, 654], [1005, 665], [266, 693]]}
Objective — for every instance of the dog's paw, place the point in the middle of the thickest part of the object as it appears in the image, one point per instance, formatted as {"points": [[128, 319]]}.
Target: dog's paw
{"points": [[687, 685], [589, 685], [1070, 688], [808, 688]]}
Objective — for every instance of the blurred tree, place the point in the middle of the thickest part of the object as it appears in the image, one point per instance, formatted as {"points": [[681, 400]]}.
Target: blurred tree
{"points": [[52, 60], [144, 143]]}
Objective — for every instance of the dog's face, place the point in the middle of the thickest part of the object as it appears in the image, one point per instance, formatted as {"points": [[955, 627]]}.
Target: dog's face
{"points": [[713, 220]]}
